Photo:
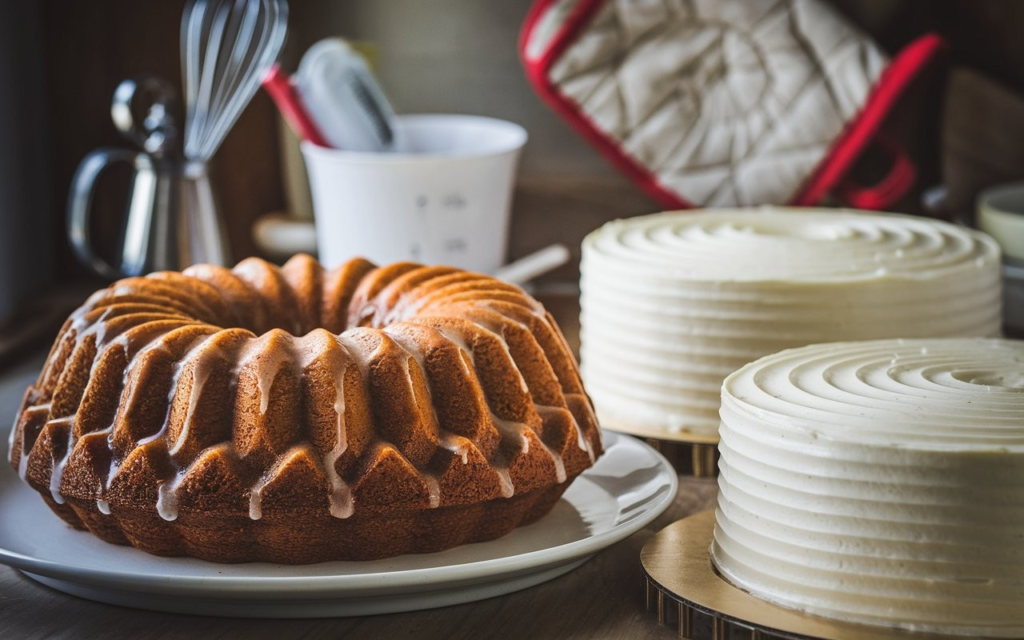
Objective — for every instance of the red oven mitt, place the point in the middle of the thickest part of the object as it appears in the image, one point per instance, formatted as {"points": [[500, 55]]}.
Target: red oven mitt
{"points": [[724, 102]]}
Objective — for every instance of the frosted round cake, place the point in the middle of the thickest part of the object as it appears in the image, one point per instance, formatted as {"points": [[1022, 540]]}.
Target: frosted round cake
{"points": [[672, 303], [879, 482]]}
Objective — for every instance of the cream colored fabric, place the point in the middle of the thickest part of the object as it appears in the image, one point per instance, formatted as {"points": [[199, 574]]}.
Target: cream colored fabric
{"points": [[727, 102]]}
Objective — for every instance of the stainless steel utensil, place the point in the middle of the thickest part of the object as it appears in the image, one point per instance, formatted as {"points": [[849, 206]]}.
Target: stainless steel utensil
{"points": [[227, 46], [143, 110], [171, 220]]}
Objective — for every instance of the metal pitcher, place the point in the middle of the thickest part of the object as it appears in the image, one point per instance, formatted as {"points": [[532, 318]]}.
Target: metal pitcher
{"points": [[171, 218]]}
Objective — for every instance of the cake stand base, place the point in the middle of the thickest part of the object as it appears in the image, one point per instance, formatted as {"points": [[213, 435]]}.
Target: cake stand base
{"points": [[685, 591], [690, 454]]}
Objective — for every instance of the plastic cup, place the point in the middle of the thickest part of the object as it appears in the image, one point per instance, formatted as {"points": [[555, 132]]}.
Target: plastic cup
{"points": [[1001, 215], [442, 197]]}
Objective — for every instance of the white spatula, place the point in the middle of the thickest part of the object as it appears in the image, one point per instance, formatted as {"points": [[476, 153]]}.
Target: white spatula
{"points": [[343, 98]]}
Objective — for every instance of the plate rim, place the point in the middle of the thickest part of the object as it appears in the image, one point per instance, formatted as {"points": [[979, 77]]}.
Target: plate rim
{"points": [[396, 581]]}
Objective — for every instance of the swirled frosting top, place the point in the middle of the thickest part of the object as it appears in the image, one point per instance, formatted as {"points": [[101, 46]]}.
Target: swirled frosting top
{"points": [[788, 244], [944, 395]]}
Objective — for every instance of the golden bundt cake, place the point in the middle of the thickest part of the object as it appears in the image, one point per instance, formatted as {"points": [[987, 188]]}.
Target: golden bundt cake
{"points": [[300, 415]]}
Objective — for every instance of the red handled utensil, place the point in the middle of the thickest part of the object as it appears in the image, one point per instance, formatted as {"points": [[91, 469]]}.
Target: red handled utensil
{"points": [[289, 103]]}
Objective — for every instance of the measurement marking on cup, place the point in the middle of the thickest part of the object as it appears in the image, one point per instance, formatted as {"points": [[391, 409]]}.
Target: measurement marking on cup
{"points": [[453, 201], [455, 245]]}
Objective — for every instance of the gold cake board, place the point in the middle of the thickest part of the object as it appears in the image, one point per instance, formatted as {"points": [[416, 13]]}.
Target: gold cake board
{"points": [[685, 591], [689, 453]]}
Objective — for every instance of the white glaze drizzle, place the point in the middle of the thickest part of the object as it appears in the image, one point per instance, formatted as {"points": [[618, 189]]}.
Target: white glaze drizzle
{"points": [[266, 373], [582, 442], [23, 465], [433, 489], [508, 353], [101, 503], [98, 328], [256, 497], [167, 492], [555, 457], [506, 427], [458, 445], [341, 504], [23, 457], [143, 335], [167, 498], [130, 390], [413, 349], [115, 467], [505, 480], [459, 341], [10, 442], [559, 463], [58, 468], [265, 380], [581, 439], [199, 376], [362, 360], [510, 429], [265, 370], [341, 509]]}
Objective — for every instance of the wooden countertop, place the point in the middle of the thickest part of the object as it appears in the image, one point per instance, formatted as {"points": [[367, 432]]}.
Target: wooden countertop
{"points": [[601, 599]]}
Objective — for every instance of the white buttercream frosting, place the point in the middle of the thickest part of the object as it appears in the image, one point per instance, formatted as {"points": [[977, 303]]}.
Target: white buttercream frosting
{"points": [[673, 302], [879, 482]]}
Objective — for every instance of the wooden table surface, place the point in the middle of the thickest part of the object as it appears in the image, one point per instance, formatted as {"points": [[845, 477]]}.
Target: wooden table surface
{"points": [[601, 599]]}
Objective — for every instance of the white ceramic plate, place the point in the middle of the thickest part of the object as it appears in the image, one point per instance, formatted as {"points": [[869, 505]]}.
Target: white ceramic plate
{"points": [[630, 485]]}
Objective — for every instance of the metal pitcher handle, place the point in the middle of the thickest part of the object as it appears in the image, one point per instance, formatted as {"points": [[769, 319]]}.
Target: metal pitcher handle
{"points": [[83, 186]]}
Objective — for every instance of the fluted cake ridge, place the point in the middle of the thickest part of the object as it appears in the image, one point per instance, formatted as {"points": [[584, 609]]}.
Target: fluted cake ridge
{"points": [[346, 409]]}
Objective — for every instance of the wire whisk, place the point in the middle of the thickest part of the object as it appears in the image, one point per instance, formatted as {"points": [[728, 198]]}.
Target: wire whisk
{"points": [[227, 46]]}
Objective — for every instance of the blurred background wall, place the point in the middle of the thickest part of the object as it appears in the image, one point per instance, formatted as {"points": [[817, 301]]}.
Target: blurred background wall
{"points": [[27, 217], [431, 56]]}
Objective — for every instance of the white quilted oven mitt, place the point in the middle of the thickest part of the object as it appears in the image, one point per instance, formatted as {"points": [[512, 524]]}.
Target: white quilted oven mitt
{"points": [[724, 102]]}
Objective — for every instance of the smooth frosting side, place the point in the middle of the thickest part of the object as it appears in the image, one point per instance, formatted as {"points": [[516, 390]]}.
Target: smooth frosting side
{"points": [[672, 303], [879, 482]]}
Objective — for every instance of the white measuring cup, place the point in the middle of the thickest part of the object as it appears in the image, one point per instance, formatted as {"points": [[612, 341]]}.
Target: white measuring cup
{"points": [[442, 197]]}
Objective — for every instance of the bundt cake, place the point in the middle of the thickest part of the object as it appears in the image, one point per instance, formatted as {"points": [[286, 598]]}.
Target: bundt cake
{"points": [[299, 415]]}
